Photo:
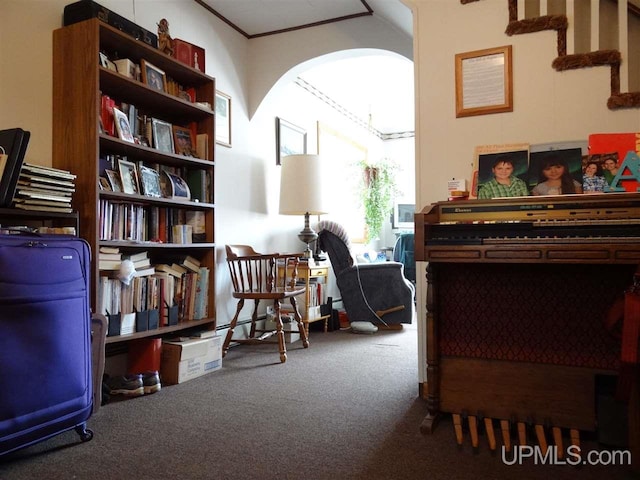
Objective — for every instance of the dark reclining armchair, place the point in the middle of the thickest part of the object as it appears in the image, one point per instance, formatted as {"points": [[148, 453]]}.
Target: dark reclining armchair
{"points": [[371, 292]]}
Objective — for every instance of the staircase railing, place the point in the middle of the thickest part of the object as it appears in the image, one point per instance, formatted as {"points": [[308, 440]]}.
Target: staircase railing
{"points": [[589, 34]]}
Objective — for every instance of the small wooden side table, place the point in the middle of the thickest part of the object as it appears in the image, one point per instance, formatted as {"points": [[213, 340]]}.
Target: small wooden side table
{"points": [[305, 274]]}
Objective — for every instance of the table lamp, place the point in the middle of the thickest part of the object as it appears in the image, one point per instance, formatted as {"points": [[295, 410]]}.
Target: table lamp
{"points": [[302, 192]]}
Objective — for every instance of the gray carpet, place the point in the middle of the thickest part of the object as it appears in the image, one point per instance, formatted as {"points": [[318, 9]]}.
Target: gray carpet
{"points": [[346, 408]]}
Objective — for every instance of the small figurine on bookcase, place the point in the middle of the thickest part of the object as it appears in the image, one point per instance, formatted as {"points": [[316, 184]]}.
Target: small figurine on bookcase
{"points": [[165, 42]]}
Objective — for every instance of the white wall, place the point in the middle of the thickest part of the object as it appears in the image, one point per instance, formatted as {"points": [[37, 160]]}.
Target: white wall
{"points": [[247, 179]]}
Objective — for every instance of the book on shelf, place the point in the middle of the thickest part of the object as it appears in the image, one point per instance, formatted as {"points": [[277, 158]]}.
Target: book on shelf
{"points": [[135, 257], [109, 256], [42, 208], [200, 310], [189, 262], [109, 264], [197, 181], [145, 271], [106, 249], [163, 267], [40, 170], [202, 146]]}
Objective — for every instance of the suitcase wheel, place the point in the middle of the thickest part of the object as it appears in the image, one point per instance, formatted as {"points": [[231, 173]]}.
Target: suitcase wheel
{"points": [[85, 433]]}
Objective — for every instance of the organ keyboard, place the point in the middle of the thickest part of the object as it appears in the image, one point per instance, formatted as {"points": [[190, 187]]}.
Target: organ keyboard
{"points": [[599, 228], [517, 293]]}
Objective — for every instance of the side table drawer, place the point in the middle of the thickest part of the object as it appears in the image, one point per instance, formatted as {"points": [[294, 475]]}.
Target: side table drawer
{"points": [[319, 272]]}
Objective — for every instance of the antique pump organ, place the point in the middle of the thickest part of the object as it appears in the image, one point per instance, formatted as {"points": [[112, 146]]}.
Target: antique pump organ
{"points": [[518, 293]]}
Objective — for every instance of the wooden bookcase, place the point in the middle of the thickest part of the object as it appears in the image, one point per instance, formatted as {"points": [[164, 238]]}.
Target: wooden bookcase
{"points": [[78, 146]]}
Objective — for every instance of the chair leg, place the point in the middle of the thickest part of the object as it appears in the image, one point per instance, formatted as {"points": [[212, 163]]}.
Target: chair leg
{"points": [[254, 319], [232, 326], [304, 334], [280, 332]]}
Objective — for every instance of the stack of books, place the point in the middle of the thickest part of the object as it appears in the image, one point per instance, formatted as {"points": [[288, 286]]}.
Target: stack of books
{"points": [[45, 189], [109, 258]]}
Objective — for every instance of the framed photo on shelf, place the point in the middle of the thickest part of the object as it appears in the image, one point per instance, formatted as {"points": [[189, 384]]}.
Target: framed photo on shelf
{"points": [[484, 82], [150, 182], [173, 186], [103, 184], [290, 140], [114, 180], [152, 76], [162, 135], [183, 141], [122, 126], [223, 119], [403, 215], [129, 177]]}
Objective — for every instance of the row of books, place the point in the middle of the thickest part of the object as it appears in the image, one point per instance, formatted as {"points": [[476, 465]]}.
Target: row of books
{"points": [[183, 284], [44, 189], [123, 221]]}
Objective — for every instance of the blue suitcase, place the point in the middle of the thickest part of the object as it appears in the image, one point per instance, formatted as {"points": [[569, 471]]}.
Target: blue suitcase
{"points": [[45, 339]]}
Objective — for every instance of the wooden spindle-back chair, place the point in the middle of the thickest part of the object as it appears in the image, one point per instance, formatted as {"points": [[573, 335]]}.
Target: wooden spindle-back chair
{"points": [[270, 277]]}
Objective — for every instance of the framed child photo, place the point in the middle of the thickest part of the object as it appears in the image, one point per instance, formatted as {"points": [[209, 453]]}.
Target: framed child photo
{"points": [[183, 141], [129, 177], [162, 135], [152, 76], [122, 126]]}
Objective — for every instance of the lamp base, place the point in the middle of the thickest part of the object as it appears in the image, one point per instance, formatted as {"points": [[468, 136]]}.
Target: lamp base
{"points": [[307, 235]]}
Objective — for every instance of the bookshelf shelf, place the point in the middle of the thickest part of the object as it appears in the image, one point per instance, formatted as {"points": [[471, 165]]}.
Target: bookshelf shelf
{"points": [[86, 148], [159, 331]]}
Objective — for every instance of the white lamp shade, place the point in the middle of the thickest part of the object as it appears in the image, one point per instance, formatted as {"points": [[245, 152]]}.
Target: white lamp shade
{"points": [[301, 185]]}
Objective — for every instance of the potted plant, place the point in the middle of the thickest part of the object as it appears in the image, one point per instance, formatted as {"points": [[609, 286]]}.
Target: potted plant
{"points": [[377, 192]]}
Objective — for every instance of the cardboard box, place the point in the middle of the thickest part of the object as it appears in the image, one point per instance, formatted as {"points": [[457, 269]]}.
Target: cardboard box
{"points": [[127, 68], [291, 334], [191, 358], [189, 54]]}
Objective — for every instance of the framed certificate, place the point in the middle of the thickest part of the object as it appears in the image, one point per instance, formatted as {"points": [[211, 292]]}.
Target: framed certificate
{"points": [[484, 82]]}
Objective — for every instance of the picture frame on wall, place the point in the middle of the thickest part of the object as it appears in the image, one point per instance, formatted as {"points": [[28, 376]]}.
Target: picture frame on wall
{"points": [[152, 76], [290, 140], [162, 135], [484, 82], [223, 119]]}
